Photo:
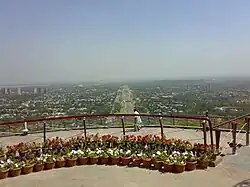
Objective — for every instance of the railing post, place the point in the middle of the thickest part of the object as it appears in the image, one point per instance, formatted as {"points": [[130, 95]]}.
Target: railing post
{"points": [[217, 139], [234, 128], [161, 126], [84, 127], [44, 131], [123, 126], [247, 131], [203, 123]]}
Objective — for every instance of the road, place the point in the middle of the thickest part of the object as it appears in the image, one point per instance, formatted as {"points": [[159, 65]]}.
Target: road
{"points": [[125, 98]]}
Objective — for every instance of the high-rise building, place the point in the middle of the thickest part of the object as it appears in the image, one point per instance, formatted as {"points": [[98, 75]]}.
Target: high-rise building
{"points": [[19, 91], [6, 91]]}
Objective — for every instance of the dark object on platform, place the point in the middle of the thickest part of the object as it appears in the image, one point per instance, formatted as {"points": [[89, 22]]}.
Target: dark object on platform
{"points": [[25, 133], [231, 145], [245, 183]]}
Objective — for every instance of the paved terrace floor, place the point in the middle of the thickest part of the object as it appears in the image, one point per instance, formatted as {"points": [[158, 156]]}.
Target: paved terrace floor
{"points": [[232, 170]]}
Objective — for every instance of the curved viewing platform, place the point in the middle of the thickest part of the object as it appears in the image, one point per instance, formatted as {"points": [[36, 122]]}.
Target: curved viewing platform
{"points": [[228, 172]]}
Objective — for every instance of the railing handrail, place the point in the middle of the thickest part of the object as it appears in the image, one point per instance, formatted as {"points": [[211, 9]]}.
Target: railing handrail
{"points": [[231, 120], [102, 115]]}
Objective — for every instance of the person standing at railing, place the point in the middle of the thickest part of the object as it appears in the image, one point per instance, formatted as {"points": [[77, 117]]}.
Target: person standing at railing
{"points": [[138, 121]]}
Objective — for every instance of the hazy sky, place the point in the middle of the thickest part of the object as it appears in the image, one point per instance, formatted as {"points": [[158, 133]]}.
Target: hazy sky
{"points": [[92, 40]]}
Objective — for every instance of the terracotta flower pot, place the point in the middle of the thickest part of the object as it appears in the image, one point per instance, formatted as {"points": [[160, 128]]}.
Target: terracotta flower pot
{"points": [[179, 168], [27, 169], [203, 164], [157, 164], [146, 162], [49, 165], [190, 166], [136, 162], [4, 173], [15, 172], [71, 162], [60, 163], [38, 167], [83, 160], [104, 160], [115, 160], [93, 160], [168, 167], [126, 160]]}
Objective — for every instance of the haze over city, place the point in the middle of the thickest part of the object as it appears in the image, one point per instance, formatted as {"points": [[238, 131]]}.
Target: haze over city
{"points": [[67, 41]]}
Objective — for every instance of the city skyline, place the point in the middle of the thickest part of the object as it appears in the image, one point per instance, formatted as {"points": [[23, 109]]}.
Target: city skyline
{"points": [[77, 41]]}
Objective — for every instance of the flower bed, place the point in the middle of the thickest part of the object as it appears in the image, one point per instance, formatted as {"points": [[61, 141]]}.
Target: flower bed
{"points": [[169, 155]]}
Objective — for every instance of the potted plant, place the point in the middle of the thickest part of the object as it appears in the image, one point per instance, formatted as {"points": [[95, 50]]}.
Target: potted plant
{"points": [[191, 162], [60, 161], [71, 158], [93, 157], [157, 160], [4, 169], [125, 157], [114, 155], [49, 161], [104, 158], [83, 157], [180, 163], [39, 164], [136, 160], [203, 161], [15, 168], [35, 147], [146, 160], [28, 165]]}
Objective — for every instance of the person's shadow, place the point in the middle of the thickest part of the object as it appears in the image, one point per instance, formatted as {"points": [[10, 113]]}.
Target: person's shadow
{"points": [[245, 183]]}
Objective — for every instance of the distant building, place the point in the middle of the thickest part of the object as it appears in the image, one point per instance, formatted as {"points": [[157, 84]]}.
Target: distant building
{"points": [[35, 91], [19, 91], [40, 90], [6, 91]]}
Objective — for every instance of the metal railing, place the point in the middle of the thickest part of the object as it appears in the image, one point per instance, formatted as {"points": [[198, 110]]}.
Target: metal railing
{"points": [[206, 124], [235, 129]]}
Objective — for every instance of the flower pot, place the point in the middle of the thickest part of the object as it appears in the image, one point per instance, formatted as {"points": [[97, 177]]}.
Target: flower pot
{"points": [[168, 167], [27, 169], [203, 164], [60, 163], [4, 173], [71, 162], [93, 160], [190, 166], [125, 160], [83, 160], [38, 167], [146, 162], [49, 165], [15, 172], [114, 160], [157, 164], [179, 168], [136, 162], [104, 160]]}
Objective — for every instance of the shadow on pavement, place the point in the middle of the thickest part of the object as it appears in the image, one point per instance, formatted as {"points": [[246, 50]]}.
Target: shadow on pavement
{"points": [[245, 183]]}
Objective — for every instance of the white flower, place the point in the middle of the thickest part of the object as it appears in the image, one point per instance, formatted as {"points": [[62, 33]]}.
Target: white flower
{"points": [[158, 153], [153, 155], [128, 152]]}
